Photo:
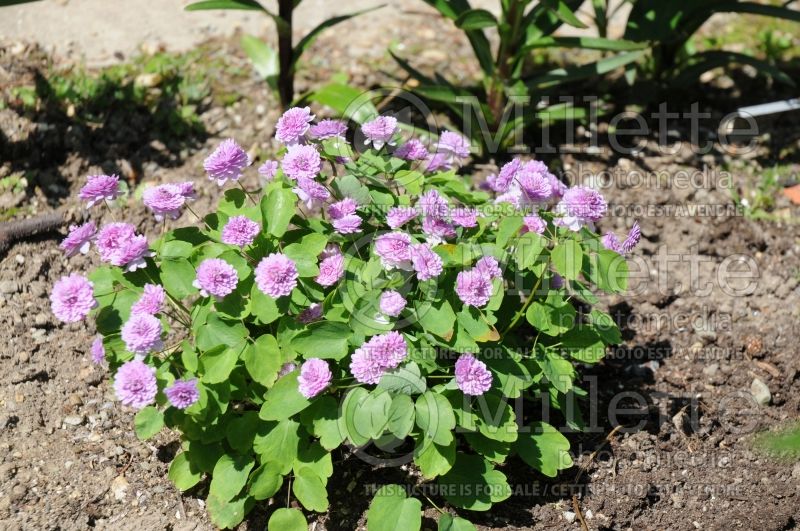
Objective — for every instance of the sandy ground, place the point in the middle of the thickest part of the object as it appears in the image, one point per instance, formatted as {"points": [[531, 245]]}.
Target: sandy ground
{"points": [[103, 31], [100, 32]]}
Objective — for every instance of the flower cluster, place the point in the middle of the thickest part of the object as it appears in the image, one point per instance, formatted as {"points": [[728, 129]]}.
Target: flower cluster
{"points": [[377, 356], [333, 297]]}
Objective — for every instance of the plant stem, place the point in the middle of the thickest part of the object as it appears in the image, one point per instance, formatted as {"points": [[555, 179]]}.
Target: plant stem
{"points": [[250, 197], [285, 53], [528, 301]]}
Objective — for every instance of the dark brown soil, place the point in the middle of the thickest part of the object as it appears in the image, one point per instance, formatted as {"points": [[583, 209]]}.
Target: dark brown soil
{"points": [[69, 458]]}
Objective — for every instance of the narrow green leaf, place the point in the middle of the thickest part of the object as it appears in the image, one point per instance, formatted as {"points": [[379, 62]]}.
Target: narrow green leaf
{"points": [[264, 59], [249, 5], [347, 101], [586, 43], [476, 19]]}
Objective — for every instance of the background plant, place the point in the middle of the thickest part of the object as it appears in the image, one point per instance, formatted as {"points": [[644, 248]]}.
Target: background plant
{"points": [[276, 67], [669, 28], [523, 26], [256, 331]]}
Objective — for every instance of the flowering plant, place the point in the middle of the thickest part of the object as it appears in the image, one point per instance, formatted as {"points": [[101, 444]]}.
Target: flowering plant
{"points": [[318, 312]]}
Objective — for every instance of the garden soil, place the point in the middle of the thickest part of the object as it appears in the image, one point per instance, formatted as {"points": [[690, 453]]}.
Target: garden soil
{"points": [[693, 348]]}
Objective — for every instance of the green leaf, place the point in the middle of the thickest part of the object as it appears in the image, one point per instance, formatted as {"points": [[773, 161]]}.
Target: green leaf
{"points": [[436, 318], [218, 332], [564, 13], [559, 372], [310, 491], [277, 209], [284, 399], [372, 415], [175, 249], [230, 476], [347, 101], [287, 520], [491, 449], [326, 340], [351, 186], [448, 522], [316, 459], [528, 248], [708, 60], [489, 414], [411, 180], [182, 473], [250, 5], [545, 449], [405, 379], [348, 426], [553, 316], [177, 277], [391, 510], [476, 19], [608, 271], [582, 343], [264, 59], [265, 308], [263, 360], [321, 418], [218, 363], [4, 3], [148, 422], [401, 416], [605, 327], [586, 43], [434, 416], [567, 259], [227, 514], [435, 460], [512, 376], [562, 75], [474, 484], [241, 431], [279, 443], [475, 324], [509, 226], [367, 318], [309, 37]]}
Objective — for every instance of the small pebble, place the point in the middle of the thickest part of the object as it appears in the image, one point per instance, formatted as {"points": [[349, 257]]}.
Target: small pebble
{"points": [[760, 392], [74, 420]]}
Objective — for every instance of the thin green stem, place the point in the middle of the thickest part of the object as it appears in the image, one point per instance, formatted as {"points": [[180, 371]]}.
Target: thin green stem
{"points": [[528, 301], [246, 193]]}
